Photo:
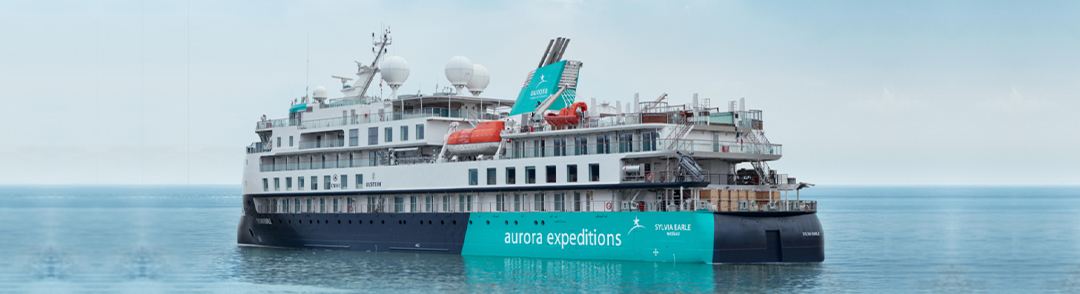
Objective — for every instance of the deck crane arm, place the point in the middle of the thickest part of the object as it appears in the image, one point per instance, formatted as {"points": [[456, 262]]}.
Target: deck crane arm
{"points": [[538, 113], [654, 103], [446, 141]]}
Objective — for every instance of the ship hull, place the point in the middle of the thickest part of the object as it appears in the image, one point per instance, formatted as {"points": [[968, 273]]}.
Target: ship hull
{"points": [[697, 237]]}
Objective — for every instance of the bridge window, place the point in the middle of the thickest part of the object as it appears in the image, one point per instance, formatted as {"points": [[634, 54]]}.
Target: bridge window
{"points": [[530, 175], [594, 172], [550, 172], [491, 179], [511, 176], [473, 177]]}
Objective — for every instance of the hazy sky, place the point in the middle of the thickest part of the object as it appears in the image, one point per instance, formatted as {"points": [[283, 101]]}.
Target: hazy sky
{"points": [[859, 92]]}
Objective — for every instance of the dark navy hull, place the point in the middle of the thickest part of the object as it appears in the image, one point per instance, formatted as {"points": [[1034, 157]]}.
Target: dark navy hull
{"points": [[738, 238]]}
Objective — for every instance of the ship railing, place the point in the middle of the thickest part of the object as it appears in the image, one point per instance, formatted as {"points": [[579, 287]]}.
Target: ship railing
{"points": [[274, 123], [322, 144], [376, 117], [530, 202], [609, 145], [664, 176], [259, 147]]}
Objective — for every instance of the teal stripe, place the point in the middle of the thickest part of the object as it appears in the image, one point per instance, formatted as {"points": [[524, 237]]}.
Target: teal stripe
{"points": [[658, 236]]}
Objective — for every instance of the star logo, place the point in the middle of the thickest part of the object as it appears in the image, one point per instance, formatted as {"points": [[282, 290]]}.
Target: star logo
{"points": [[541, 81], [636, 225]]}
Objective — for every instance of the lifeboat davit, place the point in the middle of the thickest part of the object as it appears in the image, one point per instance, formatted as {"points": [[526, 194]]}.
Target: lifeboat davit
{"points": [[567, 116], [484, 139]]}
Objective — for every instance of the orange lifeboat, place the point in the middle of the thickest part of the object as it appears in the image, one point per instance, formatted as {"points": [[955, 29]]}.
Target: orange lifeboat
{"points": [[484, 139], [567, 116]]}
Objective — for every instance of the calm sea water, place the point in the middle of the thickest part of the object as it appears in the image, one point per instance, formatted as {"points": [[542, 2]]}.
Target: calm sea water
{"points": [[878, 240]]}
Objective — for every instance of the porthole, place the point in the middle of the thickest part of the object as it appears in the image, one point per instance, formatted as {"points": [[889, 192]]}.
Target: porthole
{"points": [[383, 222], [534, 223], [317, 222], [506, 222], [429, 222], [350, 222], [470, 222], [488, 222], [339, 221], [370, 222], [442, 222], [515, 222], [309, 221], [290, 221], [541, 223], [455, 222], [404, 222]]}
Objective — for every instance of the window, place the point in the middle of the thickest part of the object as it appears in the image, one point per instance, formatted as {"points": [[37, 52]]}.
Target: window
{"points": [[322, 205], [536, 148], [278, 142], [560, 202], [446, 203], [543, 148], [373, 158], [517, 202], [468, 203], [602, 144], [461, 203], [277, 184], [560, 146], [300, 183], [427, 203], [354, 137], [314, 183], [389, 134], [420, 132], [577, 201], [473, 181], [648, 140], [296, 206], [399, 204], [359, 181], [530, 175], [626, 143], [511, 176], [266, 185], [351, 203], [288, 184], [715, 142], [538, 202], [517, 149], [491, 176], [373, 136], [344, 182], [371, 204], [571, 173], [308, 206], [594, 172], [290, 141], [404, 133], [412, 204], [335, 205], [581, 146], [326, 182], [550, 172]]}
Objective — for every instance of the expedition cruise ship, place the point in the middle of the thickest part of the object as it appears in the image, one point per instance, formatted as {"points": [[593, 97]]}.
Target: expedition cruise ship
{"points": [[545, 175]]}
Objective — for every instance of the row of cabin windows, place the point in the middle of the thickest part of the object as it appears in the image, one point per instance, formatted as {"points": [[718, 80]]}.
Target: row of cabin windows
{"points": [[581, 145], [530, 174], [388, 136], [447, 203], [327, 185]]}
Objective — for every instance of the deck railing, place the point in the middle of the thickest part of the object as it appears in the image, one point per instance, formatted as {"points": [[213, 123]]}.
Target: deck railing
{"points": [[525, 203]]}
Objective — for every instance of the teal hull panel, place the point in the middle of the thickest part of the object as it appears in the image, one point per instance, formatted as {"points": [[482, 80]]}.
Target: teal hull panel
{"points": [[640, 236]]}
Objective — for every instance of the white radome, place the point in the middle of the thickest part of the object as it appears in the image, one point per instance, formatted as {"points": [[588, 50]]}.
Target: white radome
{"points": [[395, 71], [319, 93], [479, 80], [459, 70]]}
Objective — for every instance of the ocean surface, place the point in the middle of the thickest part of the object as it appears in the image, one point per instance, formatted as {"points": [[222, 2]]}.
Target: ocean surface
{"points": [[172, 239]]}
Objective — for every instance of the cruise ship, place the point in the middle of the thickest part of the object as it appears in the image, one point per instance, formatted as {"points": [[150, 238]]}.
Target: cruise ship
{"points": [[545, 175]]}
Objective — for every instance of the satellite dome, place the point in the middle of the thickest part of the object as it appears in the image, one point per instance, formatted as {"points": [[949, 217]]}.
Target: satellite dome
{"points": [[395, 71], [319, 93], [479, 80], [459, 70]]}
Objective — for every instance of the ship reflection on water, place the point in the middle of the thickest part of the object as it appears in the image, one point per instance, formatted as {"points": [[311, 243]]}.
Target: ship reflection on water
{"points": [[409, 272]]}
